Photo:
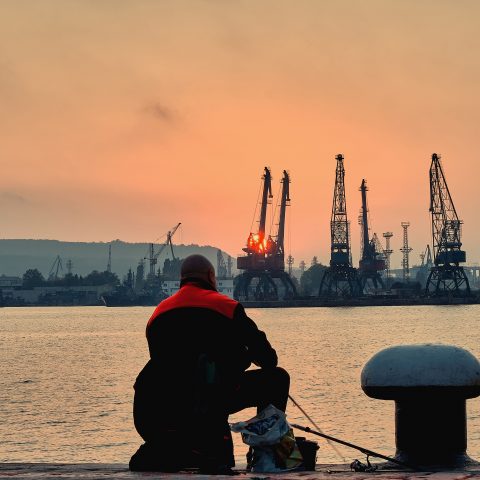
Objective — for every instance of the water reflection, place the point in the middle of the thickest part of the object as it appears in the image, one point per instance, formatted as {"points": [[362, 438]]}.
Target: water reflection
{"points": [[67, 375]]}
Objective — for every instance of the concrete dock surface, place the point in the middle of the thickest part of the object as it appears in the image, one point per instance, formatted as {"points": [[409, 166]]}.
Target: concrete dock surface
{"points": [[97, 471]]}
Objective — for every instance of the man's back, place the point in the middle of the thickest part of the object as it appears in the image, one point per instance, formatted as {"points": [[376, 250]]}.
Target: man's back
{"points": [[201, 344], [197, 320]]}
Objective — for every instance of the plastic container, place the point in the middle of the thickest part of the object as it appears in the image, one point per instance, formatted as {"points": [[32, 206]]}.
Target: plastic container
{"points": [[308, 449]]}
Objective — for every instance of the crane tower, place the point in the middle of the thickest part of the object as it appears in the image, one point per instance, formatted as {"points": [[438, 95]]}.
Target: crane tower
{"points": [[253, 263], [290, 262], [426, 258], [153, 256], [265, 256], [56, 269], [387, 253], [406, 249], [340, 278], [109, 263], [447, 277], [372, 261], [275, 253]]}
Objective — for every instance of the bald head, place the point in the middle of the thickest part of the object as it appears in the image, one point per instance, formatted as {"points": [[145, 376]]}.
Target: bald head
{"points": [[197, 266]]}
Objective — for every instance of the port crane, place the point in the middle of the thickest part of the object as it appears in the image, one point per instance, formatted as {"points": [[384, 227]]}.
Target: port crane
{"points": [[447, 277], [426, 258], [265, 256], [372, 261], [290, 262], [426, 263], [56, 269], [340, 278], [253, 263], [153, 256], [275, 254], [406, 249], [257, 243]]}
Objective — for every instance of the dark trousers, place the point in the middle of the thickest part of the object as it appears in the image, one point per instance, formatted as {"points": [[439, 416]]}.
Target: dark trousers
{"points": [[260, 388], [169, 445]]}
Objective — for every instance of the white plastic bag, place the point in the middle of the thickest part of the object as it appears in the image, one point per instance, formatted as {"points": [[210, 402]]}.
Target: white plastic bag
{"points": [[272, 440], [266, 428]]}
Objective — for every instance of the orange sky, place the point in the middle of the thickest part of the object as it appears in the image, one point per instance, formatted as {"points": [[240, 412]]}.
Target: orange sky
{"points": [[120, 119]]}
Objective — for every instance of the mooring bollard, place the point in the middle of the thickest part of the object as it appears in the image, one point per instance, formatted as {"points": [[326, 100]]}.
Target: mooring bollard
{"points": [[430, 384]]}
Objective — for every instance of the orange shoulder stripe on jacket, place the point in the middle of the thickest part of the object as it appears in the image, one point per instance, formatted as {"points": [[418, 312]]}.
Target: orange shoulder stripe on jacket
{"points": [[192, 296]]}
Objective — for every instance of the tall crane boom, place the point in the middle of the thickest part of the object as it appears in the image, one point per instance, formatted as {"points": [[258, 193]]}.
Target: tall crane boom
{"points": [[428, 257], [170, 235], [264, 260], [372, 261], [284, 202], [267, 194], [365, 247], [446, 227], [56, 269], [339, 227], [446, 277], [153, 256], [275, 248], [340, 278], [256, 242]]}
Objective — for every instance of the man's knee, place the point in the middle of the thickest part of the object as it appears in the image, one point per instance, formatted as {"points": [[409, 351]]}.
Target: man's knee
{"points": [[282, 375], [277, 388]]}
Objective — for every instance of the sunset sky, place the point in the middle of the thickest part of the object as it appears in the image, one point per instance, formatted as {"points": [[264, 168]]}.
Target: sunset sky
{"points": [[121, 118]]}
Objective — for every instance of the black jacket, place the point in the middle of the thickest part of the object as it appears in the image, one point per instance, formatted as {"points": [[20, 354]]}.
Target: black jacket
{"points": [[198, 319], [200, 344]]}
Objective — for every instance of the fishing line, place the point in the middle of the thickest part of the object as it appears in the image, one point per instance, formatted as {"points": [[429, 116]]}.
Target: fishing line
{"points": [[366, 451], [307, 416]]}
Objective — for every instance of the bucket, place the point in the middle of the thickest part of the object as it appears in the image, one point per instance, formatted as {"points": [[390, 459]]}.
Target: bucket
{"points": [[308, 449]]}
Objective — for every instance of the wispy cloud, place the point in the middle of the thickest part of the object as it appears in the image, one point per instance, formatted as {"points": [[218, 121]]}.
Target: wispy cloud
{"points": [[12, 197], [162, 113]]}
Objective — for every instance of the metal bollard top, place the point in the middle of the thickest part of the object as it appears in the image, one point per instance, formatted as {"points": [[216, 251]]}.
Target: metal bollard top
{"points": [[406, 370]]}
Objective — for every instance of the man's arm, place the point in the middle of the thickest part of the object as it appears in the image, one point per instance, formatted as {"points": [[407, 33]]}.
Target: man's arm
{"points": [[259, 349]]}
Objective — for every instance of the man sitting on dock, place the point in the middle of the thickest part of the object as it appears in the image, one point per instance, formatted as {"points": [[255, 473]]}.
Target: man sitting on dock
{"points": [[201, 344]]}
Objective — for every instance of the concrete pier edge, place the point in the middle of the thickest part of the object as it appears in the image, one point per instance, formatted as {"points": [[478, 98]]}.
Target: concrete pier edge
{"points": [[97, 471]]}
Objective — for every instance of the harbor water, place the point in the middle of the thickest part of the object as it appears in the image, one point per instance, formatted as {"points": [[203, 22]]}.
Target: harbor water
{"points": [[67, 375]]}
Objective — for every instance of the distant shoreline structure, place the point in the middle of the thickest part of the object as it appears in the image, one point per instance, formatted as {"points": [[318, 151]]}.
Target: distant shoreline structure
{"points": [[19, 255]]}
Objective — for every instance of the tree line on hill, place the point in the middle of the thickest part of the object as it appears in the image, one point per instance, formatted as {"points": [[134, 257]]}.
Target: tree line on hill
{"points": [[309, 283], [34, 278]]}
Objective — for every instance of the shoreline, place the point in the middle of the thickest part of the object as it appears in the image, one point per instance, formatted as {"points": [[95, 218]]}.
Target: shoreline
{"points": [[362, 302], [302, 303]]}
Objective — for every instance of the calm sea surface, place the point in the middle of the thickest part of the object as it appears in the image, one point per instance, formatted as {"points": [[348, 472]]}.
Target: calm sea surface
{"points": [[67, 375]]}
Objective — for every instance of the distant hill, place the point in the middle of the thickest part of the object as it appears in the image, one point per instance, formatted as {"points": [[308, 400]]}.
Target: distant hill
{"points": [[17, 256]]}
